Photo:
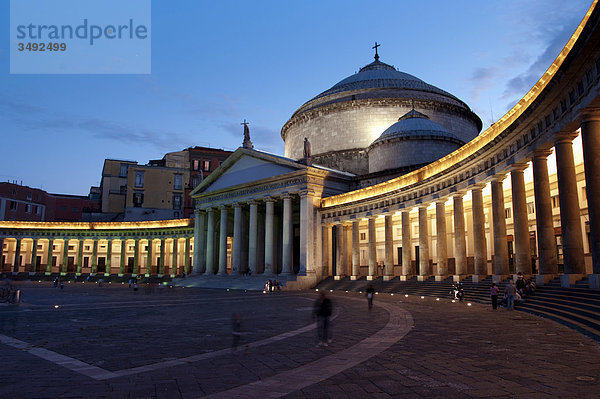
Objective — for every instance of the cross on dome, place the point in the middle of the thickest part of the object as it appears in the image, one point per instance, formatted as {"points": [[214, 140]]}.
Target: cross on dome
{"points": [[375, 47]]}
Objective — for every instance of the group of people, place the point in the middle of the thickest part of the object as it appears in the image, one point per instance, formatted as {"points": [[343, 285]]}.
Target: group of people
{"points": [[514, 292], [272, 285]]}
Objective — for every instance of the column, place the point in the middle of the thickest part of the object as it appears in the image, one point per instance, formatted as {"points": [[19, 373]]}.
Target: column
{"points": [[479, 243], [545, 226], [175, 264], [460, 243], [237, 239], [122, 256], [186, 260], [442, 241], [79, 256], [355, 250], [108, 262], [199, 242], [253, 238], [340, 251], [407, 269], [149, 257], [423, 244], [210, 242], [1, 253], [520, 222], [389, 249], [590, 137], [33, 255], [269, 236], [570, 219], [17, 261], [161, 259], [500, 241], [136, 256], [223, 243], [307, 224], [372, 249], [49, 260], [287, 235], [326, 252], [65, 256], [94, 263]]}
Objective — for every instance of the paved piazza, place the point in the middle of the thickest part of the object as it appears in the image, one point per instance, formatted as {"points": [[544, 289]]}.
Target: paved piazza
{"points": [[112, 342]]}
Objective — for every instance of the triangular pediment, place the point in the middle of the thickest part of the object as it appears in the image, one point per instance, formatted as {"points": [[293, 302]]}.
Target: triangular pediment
{"points": [[245, 166]]}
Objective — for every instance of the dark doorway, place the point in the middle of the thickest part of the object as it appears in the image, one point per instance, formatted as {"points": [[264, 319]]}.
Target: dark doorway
{"points": [[38, 264], [130, 261], [417, 265], [399, 249], [71, 264], [102, 265], [296, 250]]}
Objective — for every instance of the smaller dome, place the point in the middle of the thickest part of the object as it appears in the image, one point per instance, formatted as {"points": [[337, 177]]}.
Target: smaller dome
{"points": [[414, 125]]}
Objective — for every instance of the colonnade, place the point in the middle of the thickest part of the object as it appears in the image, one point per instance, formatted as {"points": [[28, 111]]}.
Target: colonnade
{"points": [[488, 235], [137, 256]]}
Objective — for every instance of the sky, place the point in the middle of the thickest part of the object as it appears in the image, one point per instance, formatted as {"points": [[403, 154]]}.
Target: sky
{"points": [[216, 63]]}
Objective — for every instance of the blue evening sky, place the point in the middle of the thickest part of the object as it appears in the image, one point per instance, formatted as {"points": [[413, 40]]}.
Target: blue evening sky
{"points": [[216, 63]]}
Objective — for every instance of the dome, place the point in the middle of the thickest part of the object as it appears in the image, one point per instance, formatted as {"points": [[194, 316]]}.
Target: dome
{"points": [[344, 120], [413, 141], [415, 124]]}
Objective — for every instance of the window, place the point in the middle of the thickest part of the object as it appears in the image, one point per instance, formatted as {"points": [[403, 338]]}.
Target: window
{"points": [[177, 202], [139, 178], [530, 208], [196, 164], [555, 201], [195, 181], [123, 170], [13, 205], [123, 190], [29, 196], [507, 213], [28, 208], [138, 199], [206, 166], [178, 182], [363, 236], [583, 194], [36, 209]]}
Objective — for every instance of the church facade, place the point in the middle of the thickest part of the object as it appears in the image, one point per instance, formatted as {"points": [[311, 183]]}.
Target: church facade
{"points": [[386, 176]]}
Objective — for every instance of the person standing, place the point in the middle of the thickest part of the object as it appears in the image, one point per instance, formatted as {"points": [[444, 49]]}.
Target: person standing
{"points": [[370, 294], [510, 291], [322, 311], [494, 296]]}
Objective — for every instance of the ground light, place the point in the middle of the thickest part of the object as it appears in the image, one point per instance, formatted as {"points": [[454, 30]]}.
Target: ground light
{"points": [[406, 295], [55, 306], [469, 304], [453, 301], [437, 299], [392, 294], [316, 289], [422, 297]]}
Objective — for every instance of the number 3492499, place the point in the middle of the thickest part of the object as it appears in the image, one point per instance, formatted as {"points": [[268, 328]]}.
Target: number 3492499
{"points": [[42, 46]]}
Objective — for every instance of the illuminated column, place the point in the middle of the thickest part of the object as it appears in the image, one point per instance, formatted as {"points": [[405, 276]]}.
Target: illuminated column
{"points": [[499, 219], [122, 256], [372, 249], [423, 243], [149, 257], [79, 256], [479, 244], [590, 137], [543, 209], [94, 263], [355, 249], [460, 243], [307, 223], [340, 251], [136, 256], [407, 269], [269, 236], [33, 255], [108, 262], [199, 242], [174, 268], [223, 243], [253, 238], [389, 248], [442, 241], [186, 261], [210, 242], [521, 225], [570, 219], [49, 261], [287, 235], [161, 259], [65, 255], [237, 239]]}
